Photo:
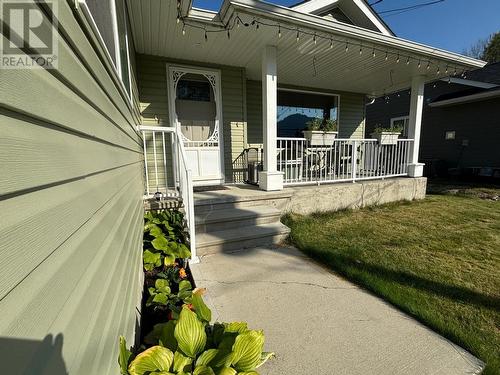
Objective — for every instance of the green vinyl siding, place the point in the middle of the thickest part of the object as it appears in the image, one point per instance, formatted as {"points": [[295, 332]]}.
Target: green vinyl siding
{"points": [[71, 207], [351, 112], [152, 83]]}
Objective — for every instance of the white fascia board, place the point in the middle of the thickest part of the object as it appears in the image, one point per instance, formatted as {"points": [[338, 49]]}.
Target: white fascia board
{"points": [[467, 99], [321, 24], [202, 14], [468, 82], [374, 18], [314, 6]]}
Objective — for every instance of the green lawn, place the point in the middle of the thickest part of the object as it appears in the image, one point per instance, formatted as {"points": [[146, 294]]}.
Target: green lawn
{"points": [[437, 259]]}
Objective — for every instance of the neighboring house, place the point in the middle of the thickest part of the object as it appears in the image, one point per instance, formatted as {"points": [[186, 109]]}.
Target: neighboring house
{"points": [[460, 122], [189, 96]]}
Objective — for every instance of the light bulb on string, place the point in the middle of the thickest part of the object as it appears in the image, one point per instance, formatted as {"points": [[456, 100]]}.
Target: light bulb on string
{"points": [[419, 64], [314, 38], [373, 53], [279, 31], [206, 36], [360, 50], [386, 56], [398, 59], [438, 72], [428, 65], [331, 43], [298, 35], [408, 61], [346, 46], [184, 29]]}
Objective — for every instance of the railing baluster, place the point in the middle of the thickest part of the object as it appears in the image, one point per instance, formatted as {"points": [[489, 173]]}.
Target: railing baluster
{"points": [[145, 162]]}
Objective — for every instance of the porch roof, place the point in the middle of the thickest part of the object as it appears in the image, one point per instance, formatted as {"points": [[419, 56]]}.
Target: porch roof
{"points": [[317, 64]]}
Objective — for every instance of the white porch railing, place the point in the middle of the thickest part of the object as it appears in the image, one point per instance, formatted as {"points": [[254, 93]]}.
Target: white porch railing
{"points": [[345, 160], [167, 171]]}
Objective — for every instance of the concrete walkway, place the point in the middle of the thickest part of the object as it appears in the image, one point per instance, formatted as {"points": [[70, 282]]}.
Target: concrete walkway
{"points": [[318, 323]]}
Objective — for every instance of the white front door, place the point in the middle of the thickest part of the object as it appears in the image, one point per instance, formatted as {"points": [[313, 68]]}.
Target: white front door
{"points": [[195, 109]]}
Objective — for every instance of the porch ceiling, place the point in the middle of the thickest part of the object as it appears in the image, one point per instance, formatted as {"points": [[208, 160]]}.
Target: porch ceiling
{"points": [[303, 63]]}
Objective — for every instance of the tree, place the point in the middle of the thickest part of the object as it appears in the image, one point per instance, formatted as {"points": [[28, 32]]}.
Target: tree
{"points": [[486, 49], [477, 49], [492, 50]]}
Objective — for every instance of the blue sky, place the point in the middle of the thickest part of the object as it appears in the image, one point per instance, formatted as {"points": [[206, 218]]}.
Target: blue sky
{"points": [[453, 25]]}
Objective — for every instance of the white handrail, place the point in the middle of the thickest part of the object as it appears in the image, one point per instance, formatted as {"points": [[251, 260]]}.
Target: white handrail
{"points": [[174, 164], [343, 160]]}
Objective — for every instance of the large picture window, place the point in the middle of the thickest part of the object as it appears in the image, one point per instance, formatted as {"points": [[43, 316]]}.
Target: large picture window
{"points": [[296, 109], [110, 19]]}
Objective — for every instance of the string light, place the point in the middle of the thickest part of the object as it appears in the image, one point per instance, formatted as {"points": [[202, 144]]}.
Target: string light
{"points": [[237, 21]]}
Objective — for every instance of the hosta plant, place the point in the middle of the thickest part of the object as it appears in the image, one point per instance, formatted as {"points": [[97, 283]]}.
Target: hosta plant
{"points": [[190, 345], [164, 239]]}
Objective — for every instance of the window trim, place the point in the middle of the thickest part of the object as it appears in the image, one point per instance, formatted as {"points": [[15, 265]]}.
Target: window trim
{"points": [[95, 30]]}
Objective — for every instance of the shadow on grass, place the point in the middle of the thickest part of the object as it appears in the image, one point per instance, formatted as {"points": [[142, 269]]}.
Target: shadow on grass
{"points": [[357, 270]]}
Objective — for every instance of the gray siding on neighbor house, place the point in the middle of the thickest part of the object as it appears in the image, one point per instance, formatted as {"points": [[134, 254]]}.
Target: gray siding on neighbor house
{"points": [[152, 82], [351, 112], [477, 123], [71, 213]]}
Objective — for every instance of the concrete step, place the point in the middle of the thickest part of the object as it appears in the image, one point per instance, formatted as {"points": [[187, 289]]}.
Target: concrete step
{"points": [[205, 203], [230, 218], [240, 238]]}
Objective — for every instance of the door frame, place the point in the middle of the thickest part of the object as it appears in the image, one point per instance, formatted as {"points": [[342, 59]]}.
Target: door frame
{"points": [[172, 114]]}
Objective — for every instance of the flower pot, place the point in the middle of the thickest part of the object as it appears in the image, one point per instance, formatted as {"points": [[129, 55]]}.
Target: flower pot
{"points": [[320, 138], [386, 138]]}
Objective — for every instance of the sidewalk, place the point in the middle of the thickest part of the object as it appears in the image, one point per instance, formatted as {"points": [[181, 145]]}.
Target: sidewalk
{"points": [[318, 323]]}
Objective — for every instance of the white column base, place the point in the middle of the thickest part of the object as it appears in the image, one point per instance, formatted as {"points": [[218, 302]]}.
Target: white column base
{"points": [[416, 170], [271, 181]]}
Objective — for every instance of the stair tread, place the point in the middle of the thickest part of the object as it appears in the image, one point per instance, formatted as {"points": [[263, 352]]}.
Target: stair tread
{"points": [[231, 214], [241, 234]]}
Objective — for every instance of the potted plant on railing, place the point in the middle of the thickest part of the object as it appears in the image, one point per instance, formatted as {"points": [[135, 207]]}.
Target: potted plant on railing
{"points": [[387, 136], [321, 132]]}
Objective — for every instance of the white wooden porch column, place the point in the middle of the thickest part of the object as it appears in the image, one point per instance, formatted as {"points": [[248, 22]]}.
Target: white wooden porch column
{"points": [[270, 178], [416, 169]]}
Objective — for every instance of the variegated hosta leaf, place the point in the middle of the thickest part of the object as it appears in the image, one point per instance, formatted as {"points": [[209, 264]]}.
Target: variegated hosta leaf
{"points": [[247, 350], [124, 356], [160, 243], [190, 333], [227, 371], [265, 356], [151, 259], [203, 370], [169, 260], [156, 358], [160, 298], [236, 327], [181, 361], [200, 308], [162, 286], [185, 285], [206, 357], [154, 230]]}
